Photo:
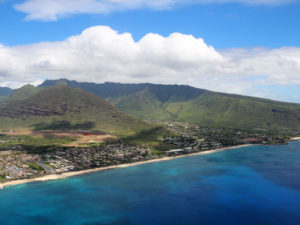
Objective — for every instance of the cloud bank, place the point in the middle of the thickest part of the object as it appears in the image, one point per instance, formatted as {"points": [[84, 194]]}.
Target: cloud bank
{"points": [[51, 10], [102, 54]]}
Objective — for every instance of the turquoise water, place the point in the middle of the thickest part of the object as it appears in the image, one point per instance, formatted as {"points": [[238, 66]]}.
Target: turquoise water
{"points": [[257, 185]]}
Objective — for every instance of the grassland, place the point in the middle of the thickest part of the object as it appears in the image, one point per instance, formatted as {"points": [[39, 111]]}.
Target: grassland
{"points": [[33, 141], [35, 166]]}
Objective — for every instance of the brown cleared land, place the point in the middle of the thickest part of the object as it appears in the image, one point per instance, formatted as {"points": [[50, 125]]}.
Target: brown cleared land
{"points": [[90, 139]]}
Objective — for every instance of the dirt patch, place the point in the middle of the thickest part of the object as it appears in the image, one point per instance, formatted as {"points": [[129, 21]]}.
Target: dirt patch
{"points": [[90, 139]]}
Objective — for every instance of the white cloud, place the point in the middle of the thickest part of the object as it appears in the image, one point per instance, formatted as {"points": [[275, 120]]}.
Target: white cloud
{"points": [[280, 66], [101, 54], [51, 10]]}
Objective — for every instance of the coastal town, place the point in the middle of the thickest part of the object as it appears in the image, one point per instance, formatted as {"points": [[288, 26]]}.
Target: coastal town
{"points": [[203, 137], [17, 162]]}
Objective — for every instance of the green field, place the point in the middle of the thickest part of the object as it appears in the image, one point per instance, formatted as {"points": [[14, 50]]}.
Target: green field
{"points": [[34, 143], [35, 166]]}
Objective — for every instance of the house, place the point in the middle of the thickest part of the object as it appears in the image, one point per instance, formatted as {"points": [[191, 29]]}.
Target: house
{"points": [[175, 152]]}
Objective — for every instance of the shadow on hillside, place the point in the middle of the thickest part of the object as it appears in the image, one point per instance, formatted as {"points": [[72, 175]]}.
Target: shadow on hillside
{"points": [[64, 125], [147, 136], [30, 149]]}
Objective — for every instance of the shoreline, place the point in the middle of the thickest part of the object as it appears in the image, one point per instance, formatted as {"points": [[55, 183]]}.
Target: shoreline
{"points": [[82, 172], [295, 138]]}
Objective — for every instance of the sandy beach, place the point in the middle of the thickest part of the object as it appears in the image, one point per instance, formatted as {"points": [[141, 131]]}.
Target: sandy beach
{"points": [[295, 138], [77, 173]]}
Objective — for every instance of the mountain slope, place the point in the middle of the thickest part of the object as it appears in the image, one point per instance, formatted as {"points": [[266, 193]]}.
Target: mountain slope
{"points": [[64, 107], [4, 92], [188, 104], [23, 92], [219, 110]]}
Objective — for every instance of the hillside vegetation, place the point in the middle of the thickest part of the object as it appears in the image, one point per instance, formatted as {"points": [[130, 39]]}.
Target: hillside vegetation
{"points": [[188, 104], [63, 107], [23, 92]]}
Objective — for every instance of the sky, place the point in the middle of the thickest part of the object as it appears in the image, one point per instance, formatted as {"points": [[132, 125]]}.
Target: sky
{"points": [[248, 47]]}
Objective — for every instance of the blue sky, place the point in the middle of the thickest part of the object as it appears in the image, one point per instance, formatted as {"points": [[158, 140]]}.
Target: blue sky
{"points": [[221, 25], [242, 46]]}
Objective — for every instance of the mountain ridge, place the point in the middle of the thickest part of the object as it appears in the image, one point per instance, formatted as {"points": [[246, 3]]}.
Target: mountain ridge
{"points": [[108, 89], [23, 92], [188, 104]]}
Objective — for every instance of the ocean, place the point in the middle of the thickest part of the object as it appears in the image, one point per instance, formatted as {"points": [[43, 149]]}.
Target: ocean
{"points": [[256, 185]]}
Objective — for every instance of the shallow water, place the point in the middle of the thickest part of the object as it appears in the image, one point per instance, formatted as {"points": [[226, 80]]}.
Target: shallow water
{"points": [[257, 185]]}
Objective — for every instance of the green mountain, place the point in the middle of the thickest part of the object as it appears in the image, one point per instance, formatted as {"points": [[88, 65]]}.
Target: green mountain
{"points": [[188, 104], [23, 92], [65, 108], [4, 93]]}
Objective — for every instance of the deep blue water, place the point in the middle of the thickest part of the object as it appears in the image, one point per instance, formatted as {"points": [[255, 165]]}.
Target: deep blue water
{"points": [[258, 185]]}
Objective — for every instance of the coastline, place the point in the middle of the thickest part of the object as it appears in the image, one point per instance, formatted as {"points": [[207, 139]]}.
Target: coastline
{"points": [[82, 172], [295, 138]]}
